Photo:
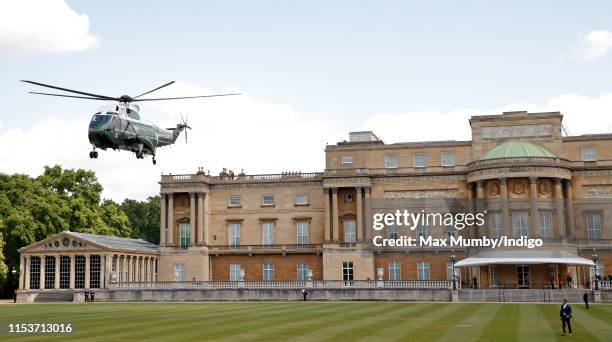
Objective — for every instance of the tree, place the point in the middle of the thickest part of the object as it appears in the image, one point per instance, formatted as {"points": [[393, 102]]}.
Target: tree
{"points": [[144, 218]]}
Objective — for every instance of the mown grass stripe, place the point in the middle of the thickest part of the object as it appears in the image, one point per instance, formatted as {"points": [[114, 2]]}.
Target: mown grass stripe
{"points": [[446, 320], [505, 324], [472, 325]]}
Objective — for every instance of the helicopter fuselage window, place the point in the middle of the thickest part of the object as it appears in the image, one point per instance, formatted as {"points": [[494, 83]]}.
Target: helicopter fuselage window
{"points": [[133, 115]]}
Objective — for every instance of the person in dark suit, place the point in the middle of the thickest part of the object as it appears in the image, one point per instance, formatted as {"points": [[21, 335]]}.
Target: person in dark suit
{"points": [[585, 298], [566, 316]]}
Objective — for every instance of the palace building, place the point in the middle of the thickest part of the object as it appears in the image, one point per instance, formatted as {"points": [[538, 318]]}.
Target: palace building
{"points": [[528, 178]]}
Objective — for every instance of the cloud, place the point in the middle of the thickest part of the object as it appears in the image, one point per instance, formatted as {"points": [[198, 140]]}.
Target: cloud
{"points": [[42, 26], [234, 132], [582, 115], [596, 45]]}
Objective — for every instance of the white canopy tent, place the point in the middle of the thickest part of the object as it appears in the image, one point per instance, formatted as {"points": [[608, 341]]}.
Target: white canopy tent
{"points": [[523, 258]]}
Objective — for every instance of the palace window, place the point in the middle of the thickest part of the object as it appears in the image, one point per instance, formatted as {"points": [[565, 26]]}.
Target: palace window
{"points": [[391, 161], [421, 229], [495, 224], [523, 275], [545, 220], [349, 231], [268, 233], [267, 200], [520, 221], [422, 270], [494, 275], [593, 226], [449, 230], [393, 231], [35, 272], [302, 232], [589, 153], [449, 270], [235, 272], [179, 272], [395, 271], [301, 199], [448, 159], [347, 159], [185, 229], [234, 229], [268, 272], [233, 201], [347, 272], [419, 160], [64, 272], [49, 272], [79, 272], [94, 272], [302, 272]]}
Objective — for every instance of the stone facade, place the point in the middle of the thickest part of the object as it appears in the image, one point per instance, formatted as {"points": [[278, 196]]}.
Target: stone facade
{"points": [[335, 206]]}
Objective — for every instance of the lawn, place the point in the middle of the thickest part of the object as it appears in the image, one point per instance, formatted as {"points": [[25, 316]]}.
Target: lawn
{"points": [[310, 321]]}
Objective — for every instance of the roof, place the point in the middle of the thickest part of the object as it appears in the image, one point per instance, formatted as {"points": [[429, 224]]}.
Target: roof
{"points": [[114, 242], [523, 257], [517, 149]]}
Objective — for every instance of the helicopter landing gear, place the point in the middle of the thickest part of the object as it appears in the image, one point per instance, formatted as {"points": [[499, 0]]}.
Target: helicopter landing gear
{"points": [[154, 161], [93, 154], [139, 155]]}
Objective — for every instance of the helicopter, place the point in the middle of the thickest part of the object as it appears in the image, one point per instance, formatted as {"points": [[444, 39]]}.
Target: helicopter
{"points": [[119, 126]]}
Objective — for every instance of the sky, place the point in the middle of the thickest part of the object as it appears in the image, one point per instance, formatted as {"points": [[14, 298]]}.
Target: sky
{"points": [[310, 72]]}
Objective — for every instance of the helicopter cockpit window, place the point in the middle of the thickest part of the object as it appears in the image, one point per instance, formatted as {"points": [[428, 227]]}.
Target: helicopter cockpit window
{"points": [[98, 121]]}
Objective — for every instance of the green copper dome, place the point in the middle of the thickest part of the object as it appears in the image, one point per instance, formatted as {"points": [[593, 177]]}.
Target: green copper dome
{"points": [[512, 149]]}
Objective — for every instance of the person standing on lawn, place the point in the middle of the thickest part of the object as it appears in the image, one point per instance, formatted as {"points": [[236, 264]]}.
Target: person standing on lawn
{"points": [[566, 316]]}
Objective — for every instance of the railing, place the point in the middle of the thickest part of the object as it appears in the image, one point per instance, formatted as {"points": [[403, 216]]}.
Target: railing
{"points": [[265, 247], [518, 160], [605, 284], [201, 177], [294, 285]]}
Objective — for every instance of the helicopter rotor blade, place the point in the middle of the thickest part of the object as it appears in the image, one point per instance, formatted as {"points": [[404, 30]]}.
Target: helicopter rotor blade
{"points": [[73, 96], [184, 97], [101, 97], [150, 91]]}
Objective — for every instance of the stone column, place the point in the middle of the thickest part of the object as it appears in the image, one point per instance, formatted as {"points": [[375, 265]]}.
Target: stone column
{"points": [[570, 209], [200, 239], [72, 262], [28, 260], [162, 222], [368, 213], [170, 239], [327, 215], [335, 223], [559, 212], [207, 225], [87, 270], [142, 269], [126, 269], [480, 201], [469, 207], [503, 191], [43, 265], [533, 196], [58, 260], [359, 204], [22, 263], [192, 217]]}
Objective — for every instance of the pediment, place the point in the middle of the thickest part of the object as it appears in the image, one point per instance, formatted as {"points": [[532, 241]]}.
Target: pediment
{"points": [[62, 242]]}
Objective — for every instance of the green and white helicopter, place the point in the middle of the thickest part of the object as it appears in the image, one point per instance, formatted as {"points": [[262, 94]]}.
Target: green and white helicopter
{"points": [[120, 127]]}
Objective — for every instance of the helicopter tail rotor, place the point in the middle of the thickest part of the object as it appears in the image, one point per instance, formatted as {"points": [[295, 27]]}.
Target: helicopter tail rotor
{"points": [[185, 125]]}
